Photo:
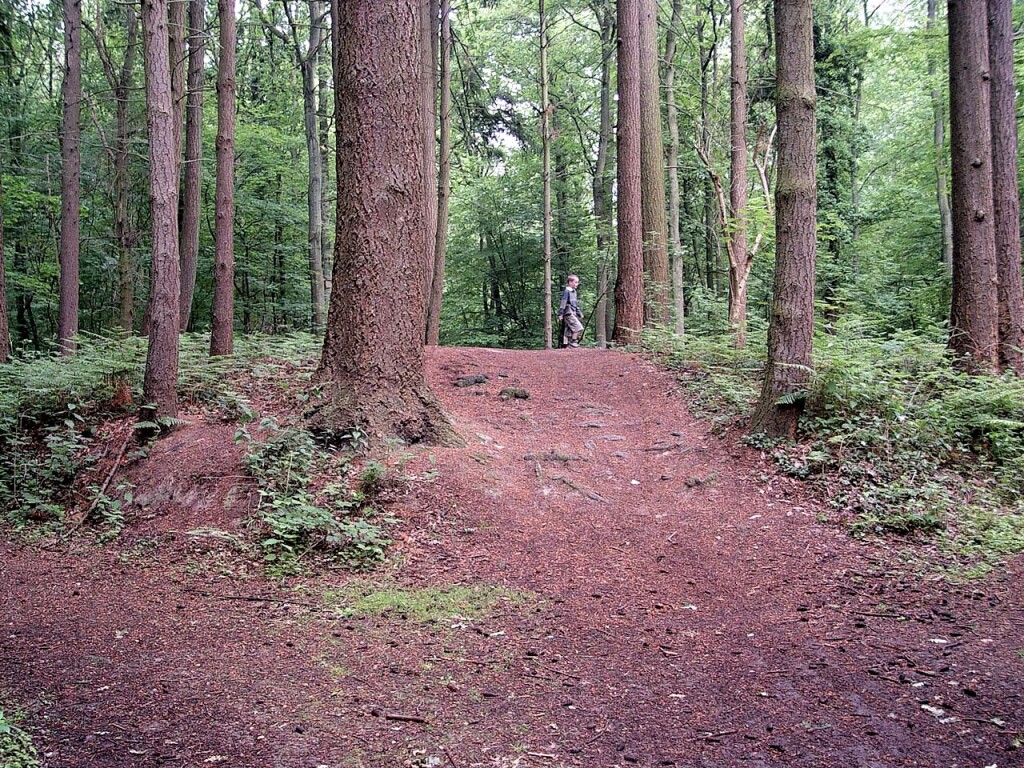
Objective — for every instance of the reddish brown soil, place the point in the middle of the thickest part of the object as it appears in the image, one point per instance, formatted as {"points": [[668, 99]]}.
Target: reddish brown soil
{"points": [[680, 605]]}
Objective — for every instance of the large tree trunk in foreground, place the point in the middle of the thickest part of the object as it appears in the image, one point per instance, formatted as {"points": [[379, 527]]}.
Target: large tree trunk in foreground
{"points": [[652, 170], [1004, 186], [739, 265], [71, 172], [222, 332], [974, 313], [372, 362], [160, 385], [629, 287], [791, 327], [192, 186], [444, 179]]}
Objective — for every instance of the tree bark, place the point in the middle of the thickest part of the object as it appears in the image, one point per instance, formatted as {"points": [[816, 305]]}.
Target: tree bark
{"points": [[791, 327], [602, 181], [1004, 186], [657, 308], [675, 244], [177, 14], [444, 179], [71, 172], [192, 186], [160, 384], [428, 86], [545, 140], [739, 266], [372, 366], [974, 313], [939, 141], [310, 106], [629, 286], [222, 332]]}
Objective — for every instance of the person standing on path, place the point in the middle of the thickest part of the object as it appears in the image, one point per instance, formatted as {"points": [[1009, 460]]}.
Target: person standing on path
{"points": [[569, 313]]}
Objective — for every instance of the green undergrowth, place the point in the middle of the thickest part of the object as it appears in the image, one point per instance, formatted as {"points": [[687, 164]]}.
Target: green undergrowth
{"points": [[52, 407], [314, 501], [423, 605], [16, 748], [899, 442]]}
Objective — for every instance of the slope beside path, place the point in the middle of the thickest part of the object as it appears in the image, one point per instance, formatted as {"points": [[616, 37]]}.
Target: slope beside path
{"points": [[665, 600]]}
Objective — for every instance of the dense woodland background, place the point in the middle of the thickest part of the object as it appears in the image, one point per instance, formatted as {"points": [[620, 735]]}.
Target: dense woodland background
{"points": [[882, 82]]}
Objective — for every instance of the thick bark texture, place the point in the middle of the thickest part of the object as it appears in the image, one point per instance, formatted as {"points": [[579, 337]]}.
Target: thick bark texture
{"points": [[545, 141], [371, 368], [71, 173], [791, 326], [974, 313], [177, 15], [222, 332], [1004, 186], [193, 176], [5, 327], [629, 286], [739, 265], [675, 244], [428, 93], [160, 385], [657, 308], [444, 179]]}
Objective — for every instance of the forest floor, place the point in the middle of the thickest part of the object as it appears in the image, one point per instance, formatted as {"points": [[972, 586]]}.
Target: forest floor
{"points": [[595, 580]]}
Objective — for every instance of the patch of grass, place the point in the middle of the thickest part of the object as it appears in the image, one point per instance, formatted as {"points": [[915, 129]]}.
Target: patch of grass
{"points": [[16, 748], [428, 605]]}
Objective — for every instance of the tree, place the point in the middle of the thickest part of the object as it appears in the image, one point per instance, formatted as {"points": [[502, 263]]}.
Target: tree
{"points": [[428, 92], [652, 170], [1004, 186], [791, 327], [372, 366], [939, 140], [71, 173], [160, 384], [739, 264], [629, 287], [444, 178], [601, 184], [545, 140], [672, 118], [222, 331], [974, 314], [5, 329], [192, 185]]}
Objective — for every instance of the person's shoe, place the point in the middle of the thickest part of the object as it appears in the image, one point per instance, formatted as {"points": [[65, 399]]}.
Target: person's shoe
{"points": [[574, 344]]}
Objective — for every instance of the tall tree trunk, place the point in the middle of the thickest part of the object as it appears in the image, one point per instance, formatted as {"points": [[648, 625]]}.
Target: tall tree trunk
{"points": [[939, 141], [373, 362], [444, 179], [222, 332], [739, 265], [791, 328], [975, 309], [629, 286], [71, 172], [5, 328], [177, 14], [314, 197], [160, 384], [192, 186], [652, 171], [706, 53], [675, 244], [602, 181], [1004, 186], [428, 86], [545, 139]]}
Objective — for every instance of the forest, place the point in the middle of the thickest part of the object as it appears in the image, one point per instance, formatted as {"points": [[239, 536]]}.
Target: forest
{"points": [[280, 290]]}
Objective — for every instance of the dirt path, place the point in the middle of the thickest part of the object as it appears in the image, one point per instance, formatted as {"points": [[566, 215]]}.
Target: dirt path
{"points": [[669, 601]]}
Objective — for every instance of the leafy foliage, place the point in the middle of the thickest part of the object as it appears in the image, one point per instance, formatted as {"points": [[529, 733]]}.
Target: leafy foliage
{"points": [[16, 749]]}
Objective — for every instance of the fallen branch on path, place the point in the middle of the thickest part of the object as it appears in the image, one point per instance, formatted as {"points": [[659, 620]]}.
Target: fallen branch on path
{"points": [[577, 487]]}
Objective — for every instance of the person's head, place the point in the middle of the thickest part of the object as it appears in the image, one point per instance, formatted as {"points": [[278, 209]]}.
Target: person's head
{"points": [[573, 281]]}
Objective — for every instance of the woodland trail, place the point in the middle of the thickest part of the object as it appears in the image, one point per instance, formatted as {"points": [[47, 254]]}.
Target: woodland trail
{"points": [[668, 600]]}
